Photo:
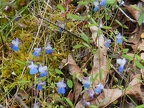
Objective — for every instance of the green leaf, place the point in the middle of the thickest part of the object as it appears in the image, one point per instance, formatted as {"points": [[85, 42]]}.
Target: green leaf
{"points": [[58, 71], [110, 2], [19, 61], [75, 17], [69, 102], [138, 64], [69, 83], [100, 74], [119, 23], [93, 21], [61, 7], [127, 57], [83, 3], [77, 46], [125, 50], [141, 19], [106, 27], [93, 106], [140, 106], [84, 37], [85, 44]]}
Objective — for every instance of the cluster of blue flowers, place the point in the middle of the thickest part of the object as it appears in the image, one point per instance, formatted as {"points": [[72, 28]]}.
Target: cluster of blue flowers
{"points": [[34, 69], [119, 40], [86, 83], [97, 4]]}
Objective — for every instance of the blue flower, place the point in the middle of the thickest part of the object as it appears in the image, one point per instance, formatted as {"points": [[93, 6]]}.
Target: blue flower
{"points": [[102, 3], [33, 68], [91, 93], [61, 87], [61, 25], [122, 63], [39, 86], [96, 6], [48, 49], [99, 88], [36, 52], [107, 43], [86, 82], [43, 71], [119, 38], [85, 102], [15, 44]]}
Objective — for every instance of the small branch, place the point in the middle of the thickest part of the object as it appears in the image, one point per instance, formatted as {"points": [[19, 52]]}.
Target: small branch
{"points": [[126, 14], [38, 16]]}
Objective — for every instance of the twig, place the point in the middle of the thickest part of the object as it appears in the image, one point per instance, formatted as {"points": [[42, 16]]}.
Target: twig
{"points": [[118, 72], [126, 14], [38, 16], [20, 101]]}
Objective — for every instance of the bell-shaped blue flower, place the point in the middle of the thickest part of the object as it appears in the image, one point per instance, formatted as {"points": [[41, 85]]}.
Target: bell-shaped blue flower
{"points": [[15, 44], [119, 38], [33, 68], [61, 87], [99, 88], [36, 52], [102, 3], [86, 82], [107, 43], [43, 71], [39, 86], [96, 6], [48, 49], [122, 63]]}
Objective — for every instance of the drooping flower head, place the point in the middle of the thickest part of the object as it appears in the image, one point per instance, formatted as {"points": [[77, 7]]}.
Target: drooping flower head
{"points": [[86, 82], [122, 63], [36, 52], [99, 88], [15, 44], [96, 6], [102, 3], [43, 70], [91, 93], [61, 87], [48, 49], [119, 38], [33, 68], [39, 86], [61, 25], [107, 43]]}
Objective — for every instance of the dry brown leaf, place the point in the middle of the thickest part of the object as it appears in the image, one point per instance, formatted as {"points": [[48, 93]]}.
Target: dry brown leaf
{"points": [[142, 35], [77, 90], [74, 69], [135, 91], [141, 46], [107, 96], [100, 59]]}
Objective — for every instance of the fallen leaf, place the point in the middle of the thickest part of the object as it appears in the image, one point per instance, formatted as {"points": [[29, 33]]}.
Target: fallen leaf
{"points": [[100, 59], [74, 69], [106, 97], [135, 90], [77, 90]]}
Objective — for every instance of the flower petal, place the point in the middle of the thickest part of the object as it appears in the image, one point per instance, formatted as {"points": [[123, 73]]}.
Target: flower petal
{"points": [[33, 71], [61, 90], [14, 48]]}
